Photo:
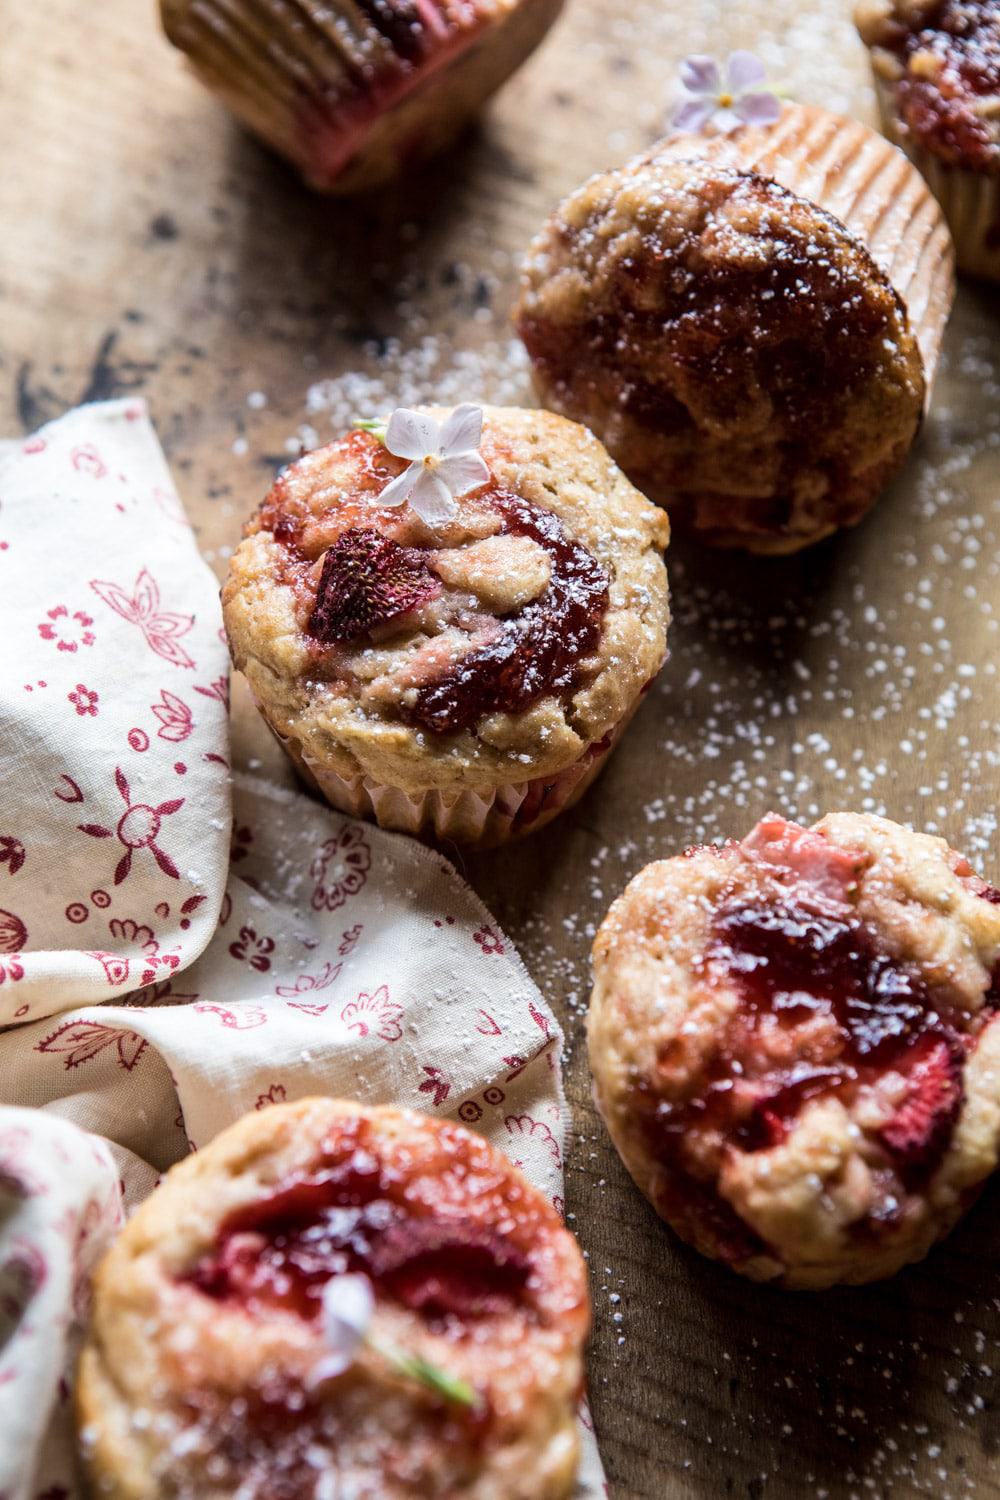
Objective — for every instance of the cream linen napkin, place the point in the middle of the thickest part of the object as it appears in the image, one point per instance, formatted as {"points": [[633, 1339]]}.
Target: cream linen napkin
{"points": [[165, 968]]}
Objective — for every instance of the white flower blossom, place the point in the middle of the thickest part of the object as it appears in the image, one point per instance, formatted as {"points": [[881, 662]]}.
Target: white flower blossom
{"points": [[348, 1306], [740, 100], [445, 461]]}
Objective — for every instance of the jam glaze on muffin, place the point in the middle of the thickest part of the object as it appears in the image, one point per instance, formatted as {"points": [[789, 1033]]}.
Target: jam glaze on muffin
{"points": [[795, 1045], [467, 678], [735, 343], [356, 91], [937, 74], [203, 1374]]}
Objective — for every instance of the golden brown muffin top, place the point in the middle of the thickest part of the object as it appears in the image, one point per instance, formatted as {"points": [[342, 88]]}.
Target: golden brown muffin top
{"points": [[492, 648], [715, 293]]}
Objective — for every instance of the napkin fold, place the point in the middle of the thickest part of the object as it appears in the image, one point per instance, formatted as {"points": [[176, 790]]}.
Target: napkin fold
{"points": [[166, 967]]}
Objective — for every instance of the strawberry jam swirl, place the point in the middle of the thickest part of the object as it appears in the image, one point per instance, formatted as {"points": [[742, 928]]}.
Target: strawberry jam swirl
{"points": [[278, 1253], [368, 581], [817, 991], [948, 93]]}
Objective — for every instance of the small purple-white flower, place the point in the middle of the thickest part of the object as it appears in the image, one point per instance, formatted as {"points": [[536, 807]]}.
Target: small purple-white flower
{"points": [[725, 105], [348, 1305], [445, 461]]}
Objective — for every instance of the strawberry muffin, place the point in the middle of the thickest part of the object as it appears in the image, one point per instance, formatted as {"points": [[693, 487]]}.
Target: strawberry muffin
{"points": [[356, 91], [448, 623], [937, 76], [330, 1301], [795, 1045], [748, 324]]}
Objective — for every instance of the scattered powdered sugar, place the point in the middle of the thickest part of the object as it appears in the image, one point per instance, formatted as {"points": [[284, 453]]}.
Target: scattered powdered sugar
{"points": [[426, 373], [861, 674]]}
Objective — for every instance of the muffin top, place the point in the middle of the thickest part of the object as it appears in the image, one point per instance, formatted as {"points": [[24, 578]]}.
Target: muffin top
{"points": [[491, 647], [944, 58], [695, 300], [795, 1043], [209, 1352]]}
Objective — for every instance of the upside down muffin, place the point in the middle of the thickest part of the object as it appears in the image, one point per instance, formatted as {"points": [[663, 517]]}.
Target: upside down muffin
{"points": [[937, 75], [207, 1375], [725, 313], [795, 1045], [355, 92], [465, 675]]}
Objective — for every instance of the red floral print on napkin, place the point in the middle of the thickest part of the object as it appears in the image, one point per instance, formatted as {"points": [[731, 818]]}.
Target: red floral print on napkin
{"points": [[81, 1041], [142, 608], [138, 828]]}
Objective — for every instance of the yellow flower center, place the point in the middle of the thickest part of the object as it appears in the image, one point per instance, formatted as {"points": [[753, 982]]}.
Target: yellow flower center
{"points": [[431, 460], [726, 100]]}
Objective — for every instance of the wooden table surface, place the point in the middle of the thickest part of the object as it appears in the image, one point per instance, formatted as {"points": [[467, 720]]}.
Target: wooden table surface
{"points": [[146, 245]]}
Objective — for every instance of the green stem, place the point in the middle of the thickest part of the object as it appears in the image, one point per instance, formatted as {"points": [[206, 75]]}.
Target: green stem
{"points": [[451, 1387], [377, 426]]}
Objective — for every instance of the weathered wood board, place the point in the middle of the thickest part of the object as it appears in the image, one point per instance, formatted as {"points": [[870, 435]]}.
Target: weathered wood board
{"points": [[147, 245]]}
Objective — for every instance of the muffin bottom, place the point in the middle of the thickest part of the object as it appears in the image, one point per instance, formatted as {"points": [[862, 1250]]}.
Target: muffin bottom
{"points": [[477, 820]]}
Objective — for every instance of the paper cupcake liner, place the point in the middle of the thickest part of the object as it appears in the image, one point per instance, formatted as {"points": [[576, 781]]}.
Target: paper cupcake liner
{"points": [[970, 201], [480, 819], [338, 86], [870, 186]]}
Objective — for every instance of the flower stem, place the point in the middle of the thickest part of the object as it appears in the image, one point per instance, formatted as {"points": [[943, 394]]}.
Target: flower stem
{"points": [[441, 1382], [377, 426]]}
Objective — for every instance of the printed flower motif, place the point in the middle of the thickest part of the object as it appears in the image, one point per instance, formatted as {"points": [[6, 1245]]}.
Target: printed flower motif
{"points": [[13, 933], [244, 1018], [69, 631], [349, 939], [445, 461], [11, 853], [135, 934], [114, 965], [489, 940], [84, 700], [274, 1095], [174, 715], [306, 984], [725, 106], [374, 1013], [525, 1125], [87, 460], [254, 950], [11, 969], [142, 608], [340, 868], [82, 1041], [239, 844], [138, 828], [219, 690]]}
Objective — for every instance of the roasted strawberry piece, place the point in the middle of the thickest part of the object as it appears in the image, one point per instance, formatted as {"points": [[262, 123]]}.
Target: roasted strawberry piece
{"points": [[367, 580], [807, 854], [919, 1131], [444, 1266]]}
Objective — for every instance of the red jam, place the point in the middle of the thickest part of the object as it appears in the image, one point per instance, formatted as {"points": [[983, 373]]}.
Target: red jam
{"points": [[538, 650], [280, 1251], [941, 110], [531, 653], [807, 955]]}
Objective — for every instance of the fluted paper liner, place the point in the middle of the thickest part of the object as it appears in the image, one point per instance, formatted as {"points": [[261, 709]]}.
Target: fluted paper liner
{"points": [[869, 185], [970, 201], [478, 818], [339, 87]]}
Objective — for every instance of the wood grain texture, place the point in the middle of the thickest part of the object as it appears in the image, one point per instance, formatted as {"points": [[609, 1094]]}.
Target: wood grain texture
{"points": [[148, 246]]}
